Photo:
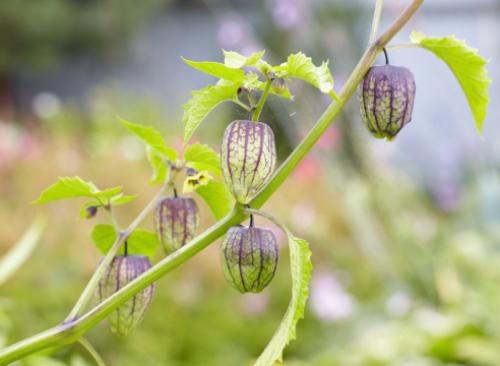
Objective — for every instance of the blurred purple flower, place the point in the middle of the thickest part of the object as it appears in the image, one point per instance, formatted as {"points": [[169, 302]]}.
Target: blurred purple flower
{"points": [[329, 301], [236, 34], [288, 14], [446, 195], [231, 32]]}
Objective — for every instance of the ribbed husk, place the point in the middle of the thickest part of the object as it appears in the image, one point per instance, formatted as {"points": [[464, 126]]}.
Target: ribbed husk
{"points": [[122, 270], [249, 258], [386, 99], [176, 221], [248, 158]]}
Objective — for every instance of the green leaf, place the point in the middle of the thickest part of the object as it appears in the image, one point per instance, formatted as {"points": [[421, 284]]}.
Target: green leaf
{"points": [[151, 137], [158, 164], [202, 102], [251, 81], [217, 69], [142, 242], [203, 157], [217, 197], [67, 187], [75, 187], [122, 199], [468, 67], [139, 242], [235, 60], [107, 194], [103, 236], [301, 268], [300, 66]]}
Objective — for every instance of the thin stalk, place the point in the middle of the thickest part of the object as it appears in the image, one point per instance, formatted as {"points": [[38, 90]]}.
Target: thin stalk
{"points": [[92, 351], [274, 220], [377, 13], [262, 101], [251, 99], [69, 332], [386, 55], [112, 217], [242, 105], [88, 292]]}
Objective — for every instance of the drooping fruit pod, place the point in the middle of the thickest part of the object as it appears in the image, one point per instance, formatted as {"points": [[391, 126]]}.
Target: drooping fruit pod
{"points": [[122, 270], [249, 258], [248, 157], [176, 220], [386, 100]]}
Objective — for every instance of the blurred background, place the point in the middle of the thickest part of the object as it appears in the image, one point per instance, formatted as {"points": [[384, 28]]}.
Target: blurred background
{"points": [[405, 235]]}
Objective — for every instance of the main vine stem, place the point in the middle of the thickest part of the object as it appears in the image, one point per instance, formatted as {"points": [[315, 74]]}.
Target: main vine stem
{"points": [[70, 331]]}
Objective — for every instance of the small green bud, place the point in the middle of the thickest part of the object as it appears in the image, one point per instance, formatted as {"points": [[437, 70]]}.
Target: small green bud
{"points": [[279, 85]]}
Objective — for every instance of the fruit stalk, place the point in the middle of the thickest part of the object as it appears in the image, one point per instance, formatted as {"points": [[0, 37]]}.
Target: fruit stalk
{"points": [[262, 100]]}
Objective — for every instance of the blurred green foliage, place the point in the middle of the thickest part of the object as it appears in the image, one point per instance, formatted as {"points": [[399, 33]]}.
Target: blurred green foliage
{"points": [[36, 34], [397, 281]]}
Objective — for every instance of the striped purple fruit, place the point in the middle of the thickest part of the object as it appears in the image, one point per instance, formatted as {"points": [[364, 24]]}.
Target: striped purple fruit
{"points": [[176, 220], [122, 270], [249, 258], [386, 100], [248, 158]]}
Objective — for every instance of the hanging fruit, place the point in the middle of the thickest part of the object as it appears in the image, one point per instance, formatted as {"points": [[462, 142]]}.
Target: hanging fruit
{"points": [[249, 258], [248, 158], [176, 221], [121, 271], [386, 99]]}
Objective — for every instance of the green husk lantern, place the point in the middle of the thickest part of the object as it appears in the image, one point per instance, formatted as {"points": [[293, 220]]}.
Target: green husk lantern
{"points": [[386, 100], [122, 270], [176, 221], [248, 158], [249, 258]]}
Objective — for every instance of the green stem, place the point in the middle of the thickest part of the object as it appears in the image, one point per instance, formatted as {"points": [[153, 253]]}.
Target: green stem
{"points": [[88, 292], [241, 104], [112, 217], [402, 45], [92, 351], [71, 331], [251, 99], [377, 13], [262, 101]]}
